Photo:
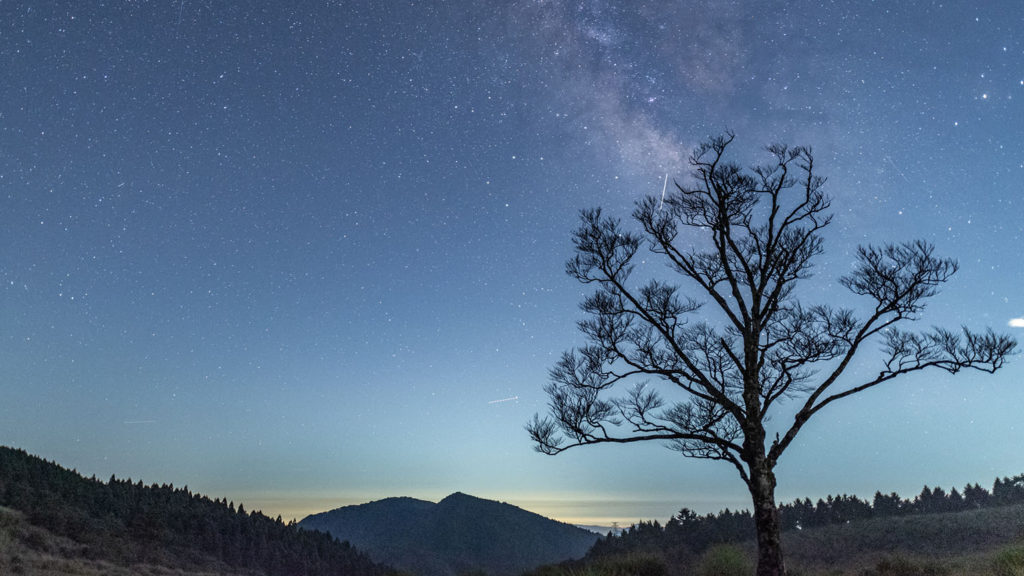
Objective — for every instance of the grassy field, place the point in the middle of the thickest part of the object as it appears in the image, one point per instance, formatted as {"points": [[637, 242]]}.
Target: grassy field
{"points": [[977, 542]]}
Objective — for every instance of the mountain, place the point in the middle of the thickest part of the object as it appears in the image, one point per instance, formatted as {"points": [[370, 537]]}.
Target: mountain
{"points": [[53, 520], [459, 534]]}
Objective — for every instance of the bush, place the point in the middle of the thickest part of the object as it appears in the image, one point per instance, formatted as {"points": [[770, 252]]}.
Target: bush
{"points": [[36, 540], [1009, 561], [724, 560], [900, 566], [17, 564], [633, 565]]}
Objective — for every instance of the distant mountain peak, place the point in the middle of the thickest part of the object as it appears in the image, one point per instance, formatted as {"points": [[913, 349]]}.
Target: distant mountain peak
{"points": [[456, 497], [461, 533], [398, 500]]}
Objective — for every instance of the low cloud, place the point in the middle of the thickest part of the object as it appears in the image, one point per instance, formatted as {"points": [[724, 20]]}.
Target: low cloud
{"points": [[1016, 322]]}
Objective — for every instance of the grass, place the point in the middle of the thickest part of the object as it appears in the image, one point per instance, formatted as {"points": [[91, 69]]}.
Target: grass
{"points": [[954, 543], [725, 560], [626, 565], [1009, 561]]}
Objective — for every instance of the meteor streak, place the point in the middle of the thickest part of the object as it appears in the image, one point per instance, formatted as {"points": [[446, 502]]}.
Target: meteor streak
{"points": [[509, 399], [663, 188]]}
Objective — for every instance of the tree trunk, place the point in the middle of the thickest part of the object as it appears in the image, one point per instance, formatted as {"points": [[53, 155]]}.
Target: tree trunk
{"points": [[766, 520]]}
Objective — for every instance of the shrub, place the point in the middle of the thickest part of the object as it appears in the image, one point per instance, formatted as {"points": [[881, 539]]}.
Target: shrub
{"points": [[36, 540], [634, 565], [1009, 561], [724, 560], [17, 564], [900, 566]]}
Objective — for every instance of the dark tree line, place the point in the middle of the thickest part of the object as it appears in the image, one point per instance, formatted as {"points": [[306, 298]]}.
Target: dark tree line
{"points": [[128, 522], [694, 533], [842, 509]]}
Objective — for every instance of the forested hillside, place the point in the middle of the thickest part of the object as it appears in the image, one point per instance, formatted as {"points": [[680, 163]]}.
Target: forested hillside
{"points": [[694, 533], [127, 523], [834, 531]]}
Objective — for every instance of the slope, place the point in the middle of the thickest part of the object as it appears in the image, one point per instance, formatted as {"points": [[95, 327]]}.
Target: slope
{"points": [[459, 534], [57, 512]]}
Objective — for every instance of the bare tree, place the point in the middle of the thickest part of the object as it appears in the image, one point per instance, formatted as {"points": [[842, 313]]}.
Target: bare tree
{"points": [[720, 372]]}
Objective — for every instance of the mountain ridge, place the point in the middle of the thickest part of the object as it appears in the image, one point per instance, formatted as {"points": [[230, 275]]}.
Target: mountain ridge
{"points": [[458, 534]]}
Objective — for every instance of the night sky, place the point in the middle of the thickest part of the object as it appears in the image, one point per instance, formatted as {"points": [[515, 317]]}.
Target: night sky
{"points": [[310, 254]]}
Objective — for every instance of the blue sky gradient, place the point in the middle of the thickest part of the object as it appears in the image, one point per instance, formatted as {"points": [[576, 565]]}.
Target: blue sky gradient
{"points": [[311, 254]]}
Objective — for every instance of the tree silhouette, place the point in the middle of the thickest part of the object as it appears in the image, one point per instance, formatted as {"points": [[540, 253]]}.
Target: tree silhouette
{"points": [[722, 372]]}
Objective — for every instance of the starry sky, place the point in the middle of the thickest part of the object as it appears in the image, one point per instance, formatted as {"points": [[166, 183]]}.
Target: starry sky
{"points": [[310, 254]]}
